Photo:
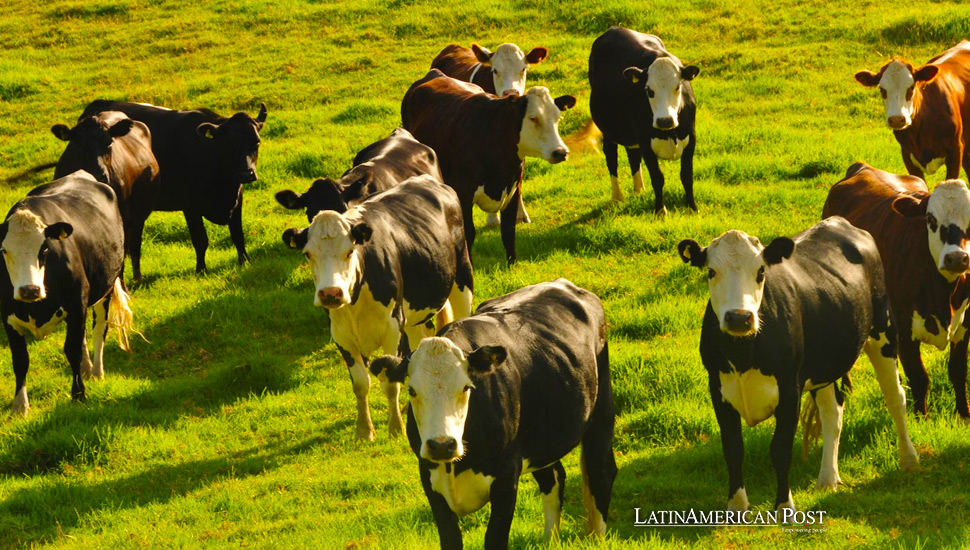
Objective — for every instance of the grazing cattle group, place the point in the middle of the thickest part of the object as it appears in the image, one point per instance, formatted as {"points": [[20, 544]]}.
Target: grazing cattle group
{"points": [[516, 386]]}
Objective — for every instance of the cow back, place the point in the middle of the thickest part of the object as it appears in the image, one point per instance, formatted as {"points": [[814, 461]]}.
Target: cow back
{"points": [[460, 63]]}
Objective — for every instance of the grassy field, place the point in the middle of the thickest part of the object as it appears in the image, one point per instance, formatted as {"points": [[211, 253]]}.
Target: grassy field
{"points": [[232, 426]]}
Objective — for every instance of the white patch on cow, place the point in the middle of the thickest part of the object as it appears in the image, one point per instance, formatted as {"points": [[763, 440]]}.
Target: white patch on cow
{"points": [[956, 330], [948, 204], [920, 334], [787, 505], [931, 168], [753, 394], [100, 329], [892, 391], [30, 325], [664, 80], [595, 524], [440, 390], [465, 493], [509, 68], [735, 277], [809, 385], [333, 257], [669, 149], [365, 326], [20, 403], [21, 246], [461, 302], [488, 204], [552, 510], [539, 136], [830, 413], [895, 84], [738, 501]]}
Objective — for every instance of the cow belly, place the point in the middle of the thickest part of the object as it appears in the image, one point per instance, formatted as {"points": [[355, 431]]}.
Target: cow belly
{"points": [[931, 167], [363, 326], [669, 149], [490, 205], [922, 334], [753, 394], [465, 493], [30, 325]]}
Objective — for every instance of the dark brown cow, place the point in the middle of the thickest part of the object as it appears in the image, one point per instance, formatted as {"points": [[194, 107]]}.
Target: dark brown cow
{"points": [[926, 108], [922, 239], [482, 140]]}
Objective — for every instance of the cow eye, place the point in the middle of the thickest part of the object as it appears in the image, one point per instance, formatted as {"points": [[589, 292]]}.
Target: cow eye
{"points": [[534, 119], [931, 221], [350, 253], [650, 92], [909, 93], [761, 274], [306, 255], [411, 392], [710, 273], [883, 92], [943, 233]]}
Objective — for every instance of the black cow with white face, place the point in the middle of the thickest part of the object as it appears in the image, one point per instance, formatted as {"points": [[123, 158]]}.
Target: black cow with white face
{"points": [[118, 151], [379, 166], [641, 98], [63, 252], [204, 159], [384, 269], [788, 318], [509, 391]]}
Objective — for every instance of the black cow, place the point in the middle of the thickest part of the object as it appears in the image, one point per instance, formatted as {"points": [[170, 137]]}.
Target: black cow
{"points": [[641, 98], [379, 166], [63, 251], [204, 159], [118, 151], [383, 269], [788, 318], [508, 391]]}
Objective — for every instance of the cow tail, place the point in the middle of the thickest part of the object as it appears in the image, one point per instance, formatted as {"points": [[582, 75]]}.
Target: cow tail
{"points": [[120, 318], [811, 424], [586, 138]]}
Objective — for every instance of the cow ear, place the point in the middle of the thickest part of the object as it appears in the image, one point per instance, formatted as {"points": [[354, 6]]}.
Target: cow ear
{"points": [[484, 359], [121, 128], [295, 238], [926, 73], [261, 118], [61, 131], [482, 54], [867, 78], [692, 253], [689, 72], [355, 190], [565, 102], [909, 206], [778, 250], [537, 55], [633, 74], [361, 233], [206, 130], [394, 368], [58, 231], [290, 199]]}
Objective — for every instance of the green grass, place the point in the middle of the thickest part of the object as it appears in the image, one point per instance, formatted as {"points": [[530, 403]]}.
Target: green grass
{"points": [[233, 424]]}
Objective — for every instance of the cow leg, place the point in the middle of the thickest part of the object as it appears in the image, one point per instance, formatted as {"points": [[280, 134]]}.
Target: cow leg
{"points": [[466, 214], [100, 313], [786, 423], [881, 352], [361, 383], [552, 485], [732, 444], [656, 180], [402, 346], [687, 172], [597, 463], [508, 227], [829, 401], [449, 533], [502, 496], [200, 240], [633, 158], [21, 363], [919, 381], [461, 301], [957, 368], [520, 217], [612, 164], [236, 230], [76, 351], [133, 242]]}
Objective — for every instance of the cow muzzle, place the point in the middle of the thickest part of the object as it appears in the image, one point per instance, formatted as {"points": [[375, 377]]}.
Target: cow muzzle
{"points": [[29, 293], [511, 92], [330, 298], [442, 449], [665, 123], [897, 122], [956, 262], [559, 155], [739, 322], [248, 176]]}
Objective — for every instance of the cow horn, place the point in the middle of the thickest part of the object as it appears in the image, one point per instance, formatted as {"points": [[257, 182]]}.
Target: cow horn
{"points": [[262, 113]]}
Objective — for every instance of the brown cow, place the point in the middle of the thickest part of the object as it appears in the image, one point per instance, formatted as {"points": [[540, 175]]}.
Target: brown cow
{"points": [[482, 140], [923, 243], [926, 107]]}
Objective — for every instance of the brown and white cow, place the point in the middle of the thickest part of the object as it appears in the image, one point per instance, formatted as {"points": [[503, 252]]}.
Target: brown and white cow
{"points": [[926, 107], [922, 238]]}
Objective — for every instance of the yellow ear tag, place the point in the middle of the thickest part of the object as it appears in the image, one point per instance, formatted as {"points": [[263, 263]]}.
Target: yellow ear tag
{"points": [[208, 133], [63, 235]]}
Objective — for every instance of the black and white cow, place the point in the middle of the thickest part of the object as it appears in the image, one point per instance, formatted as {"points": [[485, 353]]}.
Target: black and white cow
{"points": [[641, 98], [379, 166], [788, 318], [63, 252], [509, 391], [383, 269]]}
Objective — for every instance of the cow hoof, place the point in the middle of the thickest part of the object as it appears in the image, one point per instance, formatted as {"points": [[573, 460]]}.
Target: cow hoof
{"points": [[908, 460], [492, 221], [662, 213], [828, 482], [523, 219], [394, 430], [20, 403], [617, 197], [365, 433]]}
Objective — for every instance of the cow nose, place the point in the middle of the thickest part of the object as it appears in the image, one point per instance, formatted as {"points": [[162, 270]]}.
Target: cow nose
{"points": [[560, 155], [739, 320], [249, 176], [330, 297], [665, 123], [956, 262], [442, 448], [897, 122], [508, 93], [29, 293]]}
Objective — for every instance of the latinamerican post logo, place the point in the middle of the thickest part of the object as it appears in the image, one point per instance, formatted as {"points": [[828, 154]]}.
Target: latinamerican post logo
{"points": [[793, 521]]}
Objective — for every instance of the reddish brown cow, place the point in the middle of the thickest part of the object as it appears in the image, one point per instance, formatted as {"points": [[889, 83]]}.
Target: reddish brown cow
{"points": [[922, 239], [926, 107]]}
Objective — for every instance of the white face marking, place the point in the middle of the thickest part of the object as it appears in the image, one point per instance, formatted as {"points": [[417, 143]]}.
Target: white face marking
{"points": [[738, 501], [920, 334], [21, 249], [752, 394], [668, 149], [897, 87], [663, 91], [465, 493], [735, 269], [439, 387], [30, 325], [509, 68], [949, 205], [334, 259], [539, 136]]}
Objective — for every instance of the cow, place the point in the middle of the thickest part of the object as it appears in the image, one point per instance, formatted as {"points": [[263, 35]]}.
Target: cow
{"points": [[922, 238], [117, 151], [509, 391], [641, 98], [379, 166], [383, 269], [926, 107], [504, 74], [204, 159], [787, 318], [482, 141], [63, 252]]}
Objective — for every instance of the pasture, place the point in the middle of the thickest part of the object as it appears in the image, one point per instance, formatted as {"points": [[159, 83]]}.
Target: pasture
{"points": [[232, 425]]}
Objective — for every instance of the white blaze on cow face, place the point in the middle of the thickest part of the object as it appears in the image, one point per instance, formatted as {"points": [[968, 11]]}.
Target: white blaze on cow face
{"points": [[509, 68], [663, 89], [440, 387], [24, 252], [736, 276], [539, 136], [948, 221], [897, 87], [334, 259]]}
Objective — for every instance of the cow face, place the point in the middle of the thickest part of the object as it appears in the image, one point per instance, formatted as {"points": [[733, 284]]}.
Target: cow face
{"points": [[539, 135], [237, 143], [509, 66], [331, 245], [25, 242], [89, 143], [440, 382], [736, 268], [947, 213], [897, 84], [663, 82], [324, 194]]}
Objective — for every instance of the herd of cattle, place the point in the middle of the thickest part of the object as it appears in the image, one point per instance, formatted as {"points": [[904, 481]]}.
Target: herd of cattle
{"points": [[518, 384]]}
